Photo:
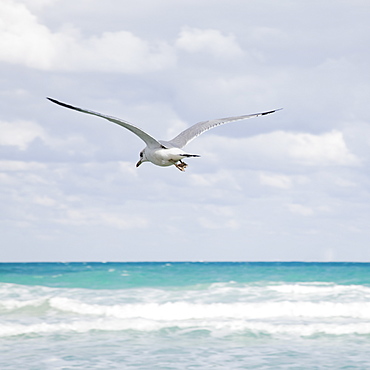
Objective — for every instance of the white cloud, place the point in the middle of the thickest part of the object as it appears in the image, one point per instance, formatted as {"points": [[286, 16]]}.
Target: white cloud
{"points": [[35, 193], [281, 148], [45, 201], [325, 149], [218, 217], [119, 51], [300, 209], [223, 178], [308, 149], [251, 195], [95, 217], [194, 40], [23, 40], [268, 35], [306, 210], [207, 223], [20, 133], [276, 180], [21, 166]]}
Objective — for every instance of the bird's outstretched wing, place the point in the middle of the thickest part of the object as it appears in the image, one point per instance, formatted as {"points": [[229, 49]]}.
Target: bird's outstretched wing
{"points": [[149, 140], [194, 131]]}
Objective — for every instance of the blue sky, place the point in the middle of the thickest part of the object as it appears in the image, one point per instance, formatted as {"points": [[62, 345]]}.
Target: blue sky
{"points": [[293, 185]]}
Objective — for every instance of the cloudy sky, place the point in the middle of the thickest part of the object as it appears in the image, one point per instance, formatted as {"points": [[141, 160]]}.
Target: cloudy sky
{"points": [[293, 185]]}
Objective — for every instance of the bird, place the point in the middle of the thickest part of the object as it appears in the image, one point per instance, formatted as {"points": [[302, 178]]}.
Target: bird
{"points": [[166, 153]]}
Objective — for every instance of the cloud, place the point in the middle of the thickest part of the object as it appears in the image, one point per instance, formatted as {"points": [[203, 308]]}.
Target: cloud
{"points": [[97, 217], [281, 149], [325, 149], [23, 40], [260, 189], [20, 133], [119, 51], [26, 41], [21, 166], [218, 217], [223, 178], [276, 180], [301, 209], [35, 193], [195, 40]]}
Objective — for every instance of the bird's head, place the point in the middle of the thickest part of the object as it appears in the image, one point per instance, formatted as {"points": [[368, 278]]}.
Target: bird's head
{"points": [[142, 158]]}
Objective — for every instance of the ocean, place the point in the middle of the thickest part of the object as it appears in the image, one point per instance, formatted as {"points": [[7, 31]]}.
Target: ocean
{"points": [[179, 315]]}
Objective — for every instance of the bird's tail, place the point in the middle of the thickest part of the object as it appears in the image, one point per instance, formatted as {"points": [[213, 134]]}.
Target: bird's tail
{"points": [[189, 155]]}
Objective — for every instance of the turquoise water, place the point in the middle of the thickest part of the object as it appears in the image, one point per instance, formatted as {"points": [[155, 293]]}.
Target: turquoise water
{"points": [[184, 315]]}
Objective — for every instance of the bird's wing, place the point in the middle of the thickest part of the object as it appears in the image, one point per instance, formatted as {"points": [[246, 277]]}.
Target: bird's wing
{"points": [[194, 131], [149, 140]]}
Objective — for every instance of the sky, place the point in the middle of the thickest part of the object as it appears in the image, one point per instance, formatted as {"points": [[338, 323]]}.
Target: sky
{"points": [[290, 186]]}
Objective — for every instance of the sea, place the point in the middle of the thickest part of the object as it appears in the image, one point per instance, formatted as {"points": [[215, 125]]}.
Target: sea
{"points": [[185, 315]]}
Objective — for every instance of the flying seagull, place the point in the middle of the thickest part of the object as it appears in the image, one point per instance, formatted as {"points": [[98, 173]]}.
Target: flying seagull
{"points": [[166, 153]]}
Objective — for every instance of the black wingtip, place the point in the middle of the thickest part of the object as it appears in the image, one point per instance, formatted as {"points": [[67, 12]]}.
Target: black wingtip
{"points": [[62, 104], [271, 111], [55, 101]]}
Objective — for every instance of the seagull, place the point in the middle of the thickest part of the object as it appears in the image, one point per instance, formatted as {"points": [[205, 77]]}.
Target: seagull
{"points": [[166, 153]]}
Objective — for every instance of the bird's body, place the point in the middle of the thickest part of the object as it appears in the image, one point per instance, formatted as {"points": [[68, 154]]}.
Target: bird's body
{"points": [[165, 153], [165, 157]]}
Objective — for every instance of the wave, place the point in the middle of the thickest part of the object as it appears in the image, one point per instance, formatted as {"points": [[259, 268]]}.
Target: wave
{"points": [[322, 289], [13, 304], [213, 327], [230, 299], [186, 311], [301, 309]]}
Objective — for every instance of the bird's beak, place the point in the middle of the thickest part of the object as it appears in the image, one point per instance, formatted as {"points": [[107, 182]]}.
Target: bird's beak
{"points": [[139, 163]]}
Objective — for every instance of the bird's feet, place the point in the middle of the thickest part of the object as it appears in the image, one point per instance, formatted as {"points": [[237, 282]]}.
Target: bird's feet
{"points": [[181, 165]]}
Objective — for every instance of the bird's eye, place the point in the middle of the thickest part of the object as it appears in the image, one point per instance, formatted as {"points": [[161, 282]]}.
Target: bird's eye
{"points": [[141, 154]]}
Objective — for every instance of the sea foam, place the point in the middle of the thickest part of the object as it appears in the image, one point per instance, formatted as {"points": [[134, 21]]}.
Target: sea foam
{"points": [[185, 311]]}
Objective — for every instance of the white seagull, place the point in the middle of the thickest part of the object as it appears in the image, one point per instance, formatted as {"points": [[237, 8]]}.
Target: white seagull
{"points": [[166, 153]]}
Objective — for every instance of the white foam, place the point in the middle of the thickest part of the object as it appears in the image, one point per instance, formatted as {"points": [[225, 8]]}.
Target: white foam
{"points": [[216, 327], [286, 309], [13, 304], [248, 311], [321, 289]]}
